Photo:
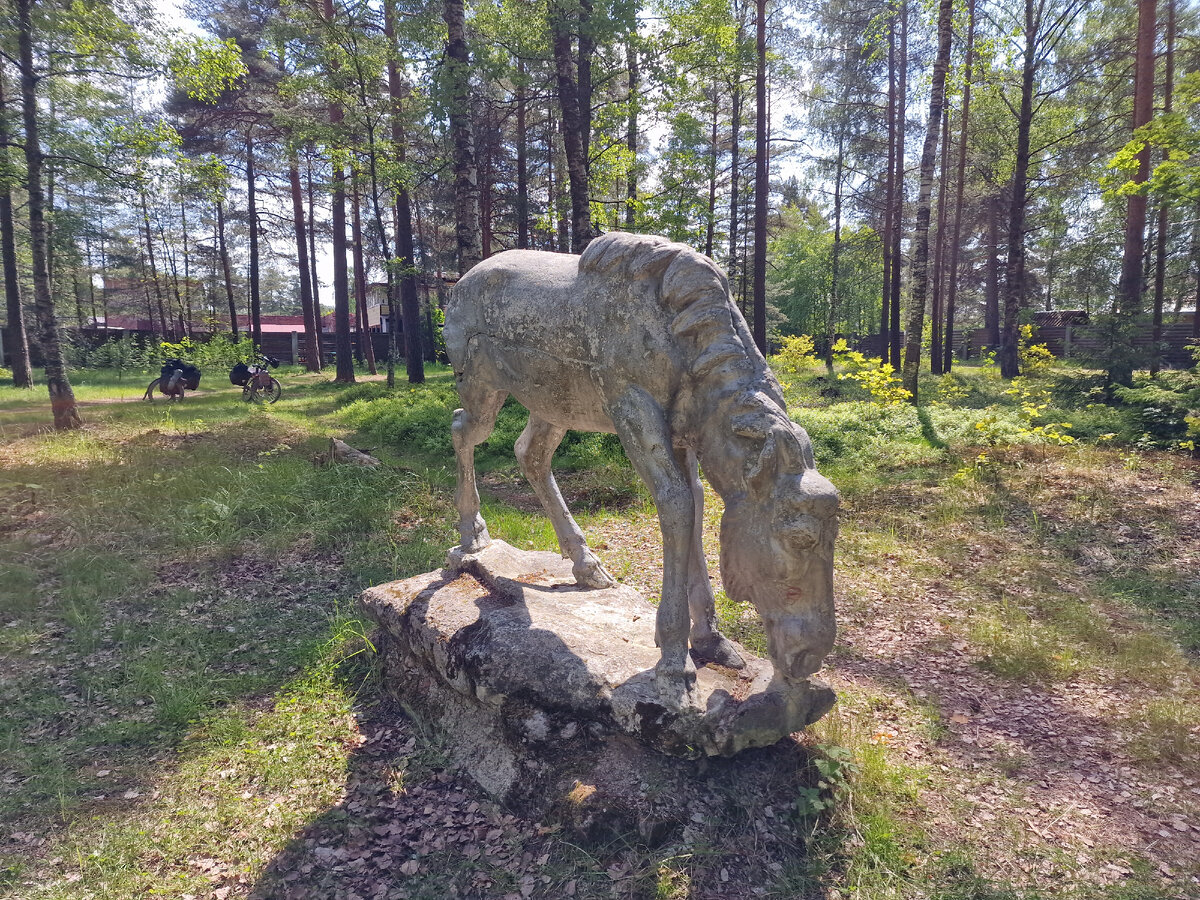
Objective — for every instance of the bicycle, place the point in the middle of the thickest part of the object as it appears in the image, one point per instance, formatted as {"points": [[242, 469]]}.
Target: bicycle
{"points": [[257, 384], [175, 377]]}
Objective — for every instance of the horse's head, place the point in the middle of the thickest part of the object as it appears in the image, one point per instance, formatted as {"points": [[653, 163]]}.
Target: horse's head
{"points": [[777, 544]]}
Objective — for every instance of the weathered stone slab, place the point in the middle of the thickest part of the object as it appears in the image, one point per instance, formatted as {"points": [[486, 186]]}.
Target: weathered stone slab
{"points": [[519, 657]]}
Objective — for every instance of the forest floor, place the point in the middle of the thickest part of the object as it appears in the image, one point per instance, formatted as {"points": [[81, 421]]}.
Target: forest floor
{"points": [[193, 710]]}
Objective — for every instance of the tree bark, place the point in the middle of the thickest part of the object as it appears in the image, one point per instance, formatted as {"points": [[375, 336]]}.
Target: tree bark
{"points": [[226, 269], [898, 196], [762, 185], [835, 267], [713, 151], [573, 125], [466, 186], [318, 335], [344, 373], [631, 130], [410, 305], [960, 183], [1132, 283], [522, 158], [937, 308], [312, 360], [1164, 212], [162, 312], [252, 214], [920, 271], [62, 398], [366, 349], [1014, 268], [991, 300], [17, 343], [889, 189]]}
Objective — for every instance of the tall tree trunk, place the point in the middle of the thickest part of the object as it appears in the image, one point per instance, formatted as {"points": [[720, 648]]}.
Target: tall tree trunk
{"points": [[1132, 284], [631, 129], [312, 262], [17, 343], [522, 158], [939, 251], [573, 125], [158, 297], [466, 187], [762, 186], [252, 214], [991, 300], [410, 306], [920, 271], [62, 398], [341, 287], [187, 267], [485, 164], [312, 360], [835, 267], [587, 49], [1164, 217], [889, 206], [713, 152], [1014, 268], [226, 270], [898, 197], [960, 182], [366, 350]]}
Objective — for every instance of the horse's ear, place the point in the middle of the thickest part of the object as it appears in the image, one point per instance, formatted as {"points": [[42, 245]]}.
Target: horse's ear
{"points": [[795, 450], [761, 472]]}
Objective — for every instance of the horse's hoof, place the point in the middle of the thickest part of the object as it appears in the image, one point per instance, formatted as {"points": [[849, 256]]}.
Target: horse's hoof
{"points": [[590, 574], [675, 682], [475, 537], [718, 649]]}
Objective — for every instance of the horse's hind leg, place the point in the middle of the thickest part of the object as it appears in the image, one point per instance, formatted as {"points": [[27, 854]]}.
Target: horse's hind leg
{"points": [[471, 426], [535, 450], [708, 644]]}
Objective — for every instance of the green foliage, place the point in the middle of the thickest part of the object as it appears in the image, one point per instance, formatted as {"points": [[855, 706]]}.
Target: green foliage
{"points": [[1033, 359], [1033, 402], [877, 377], [834, 768], [206, 68], [135, 353], [795, 355]]}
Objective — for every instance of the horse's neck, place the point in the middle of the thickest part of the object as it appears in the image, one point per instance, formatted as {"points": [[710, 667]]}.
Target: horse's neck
{"points": [[723, 455]]}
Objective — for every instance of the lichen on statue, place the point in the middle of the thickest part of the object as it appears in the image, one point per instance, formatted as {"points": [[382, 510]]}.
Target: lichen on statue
{"points": [[639, 337]]}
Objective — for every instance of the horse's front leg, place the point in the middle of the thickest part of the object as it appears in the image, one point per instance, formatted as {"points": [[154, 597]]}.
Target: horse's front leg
{"points": [[642, 427], [708, 644]]}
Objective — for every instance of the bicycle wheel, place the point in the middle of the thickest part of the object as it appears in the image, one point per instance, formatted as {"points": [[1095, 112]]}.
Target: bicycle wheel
{"points": [[149, 395], [265, 393]]}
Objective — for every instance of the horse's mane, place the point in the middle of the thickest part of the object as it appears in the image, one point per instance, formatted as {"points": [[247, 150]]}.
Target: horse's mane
{"points": [[692, 287], [720, 352]]}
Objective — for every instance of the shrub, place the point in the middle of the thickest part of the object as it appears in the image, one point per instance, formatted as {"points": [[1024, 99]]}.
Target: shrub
{"points": [[1033, 359], [876, 376], [796, 354]]}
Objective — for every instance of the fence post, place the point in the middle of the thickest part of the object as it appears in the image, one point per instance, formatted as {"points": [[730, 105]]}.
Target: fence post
{"points": [[295, 347], [1067, 342]]}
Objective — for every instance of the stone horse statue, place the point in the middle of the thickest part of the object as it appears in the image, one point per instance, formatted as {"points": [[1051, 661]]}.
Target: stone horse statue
{"points": [[639, 337]]}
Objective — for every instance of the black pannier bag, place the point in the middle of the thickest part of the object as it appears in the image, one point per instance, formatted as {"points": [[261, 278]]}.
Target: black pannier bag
{"points": [[190, 376], [239, 374]]}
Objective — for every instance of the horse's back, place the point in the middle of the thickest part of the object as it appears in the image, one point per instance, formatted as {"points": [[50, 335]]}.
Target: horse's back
{"points": [[517, 298]]}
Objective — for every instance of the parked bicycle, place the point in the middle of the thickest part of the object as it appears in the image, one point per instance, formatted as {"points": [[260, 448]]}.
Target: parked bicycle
{"points": [[256, 381], [174, 378]]}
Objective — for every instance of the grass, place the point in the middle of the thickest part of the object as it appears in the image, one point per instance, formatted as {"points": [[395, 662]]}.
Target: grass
{"points": [[192, 706]]}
